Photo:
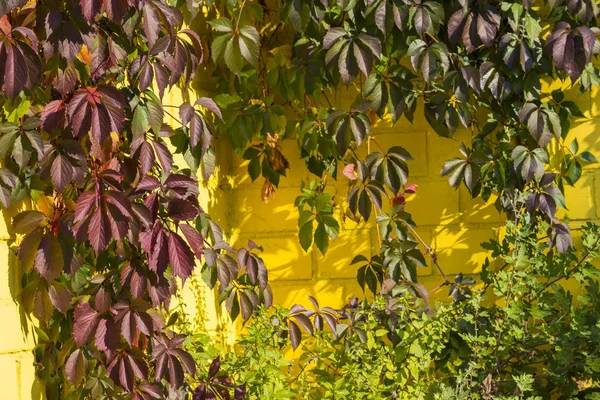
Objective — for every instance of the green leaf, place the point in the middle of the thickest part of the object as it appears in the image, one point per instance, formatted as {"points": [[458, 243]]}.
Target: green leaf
{"points": [[249, 43], [254, 168], [321, 238], [306, 235], [587, 157], [140, 122], [574, 146], [27, 221], [572, 108], [218, 47], [221, 25]]}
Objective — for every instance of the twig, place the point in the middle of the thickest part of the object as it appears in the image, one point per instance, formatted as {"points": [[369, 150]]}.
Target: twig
{"points": [[431, 254]]}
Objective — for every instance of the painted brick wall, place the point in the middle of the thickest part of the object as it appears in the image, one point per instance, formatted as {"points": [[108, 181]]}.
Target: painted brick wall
{"points": [[448, 219], [16, 341]]}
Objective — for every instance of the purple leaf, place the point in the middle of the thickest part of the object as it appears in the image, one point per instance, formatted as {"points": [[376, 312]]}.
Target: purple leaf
{"points": [[49, 261], [98, 231], [180, 257], [75, 367], [62, 172], [86, 319], [60, 296]]}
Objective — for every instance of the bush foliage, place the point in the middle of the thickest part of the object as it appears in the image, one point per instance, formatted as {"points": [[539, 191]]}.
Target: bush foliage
{"points": [[85, 134]]}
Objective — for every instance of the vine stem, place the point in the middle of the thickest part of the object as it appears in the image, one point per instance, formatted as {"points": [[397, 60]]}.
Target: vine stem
{"points": [[375, 208], [237, 23], [432, 255]]}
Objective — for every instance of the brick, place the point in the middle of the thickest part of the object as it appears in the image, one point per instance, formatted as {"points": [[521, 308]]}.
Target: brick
{"points": [[15, 334], [351, 288], [10, 387], [414, 142], [285, 258], [327, 292], [249, 214], [580, 201], [441, 149], [478, 211], [336, 263], [458, 248], [435, 203], [30, 387]]}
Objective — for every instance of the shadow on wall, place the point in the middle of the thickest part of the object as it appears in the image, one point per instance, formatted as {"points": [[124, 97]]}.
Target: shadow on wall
{"points": [[16, 357]]}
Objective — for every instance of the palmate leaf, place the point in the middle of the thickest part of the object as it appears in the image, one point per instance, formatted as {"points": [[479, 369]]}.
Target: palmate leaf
{"points": [[351, 53], [571, 49], [362, 198], [530, 164], [474, 29], [348, 127], [100, 110], [428, 58], [426, 17], [542, 123], [370, 274], [390, 168]]}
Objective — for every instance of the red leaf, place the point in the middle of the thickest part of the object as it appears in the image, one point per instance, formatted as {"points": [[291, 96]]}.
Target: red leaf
{"points": [[148, 183], [151, 24], [60, 296], [349, 173], [90, 8], [49, 261], [126, 375], [86, 319], [53, 116], [107, 336], [75, 367], [178, 181], [182, 210], [15, 71], [186, 113], [102, 301], [180, 257], [80, 116], [175, 372], [119, 200], [146, 157], [164, 156], [411, 188], [210, 104], [65, 80], [101, 125], [84, 205], [115, 104], [98, 231], [162, 78], [62, 172], [146, 76], [151, 202], [197, 127], [194, 238], [160, 254]]}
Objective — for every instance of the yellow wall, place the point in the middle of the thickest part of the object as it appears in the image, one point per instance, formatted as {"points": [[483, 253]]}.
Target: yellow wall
{"points": [[448, 219]]}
